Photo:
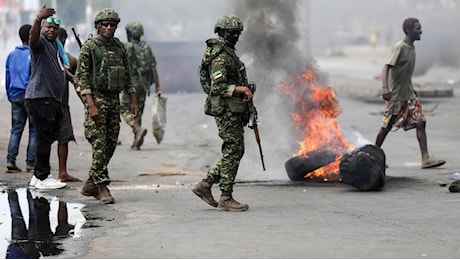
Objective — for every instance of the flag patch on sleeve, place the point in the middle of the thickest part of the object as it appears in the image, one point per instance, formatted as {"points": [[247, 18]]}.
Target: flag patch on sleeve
{"points": [[216, 75]]}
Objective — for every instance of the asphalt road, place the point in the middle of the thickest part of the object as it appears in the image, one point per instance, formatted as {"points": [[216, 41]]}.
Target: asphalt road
{"points": [[155, 214]]}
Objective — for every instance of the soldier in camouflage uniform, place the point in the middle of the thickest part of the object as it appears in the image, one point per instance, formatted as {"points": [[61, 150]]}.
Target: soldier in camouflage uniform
{"points": [[144, 74], [103, 71], [229, 96]]}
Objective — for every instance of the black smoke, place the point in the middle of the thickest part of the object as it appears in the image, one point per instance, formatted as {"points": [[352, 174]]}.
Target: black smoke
{"points": [[274, 46]]}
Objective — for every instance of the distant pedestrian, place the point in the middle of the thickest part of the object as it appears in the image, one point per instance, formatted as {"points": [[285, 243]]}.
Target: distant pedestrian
{"points": [[44, 93], [229, 96], [16, 81], [103, 72], [403, 109], [65, 127], [144, 74]]}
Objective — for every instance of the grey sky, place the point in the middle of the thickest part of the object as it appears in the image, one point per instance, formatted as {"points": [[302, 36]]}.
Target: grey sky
{"points": [[322, 24]]}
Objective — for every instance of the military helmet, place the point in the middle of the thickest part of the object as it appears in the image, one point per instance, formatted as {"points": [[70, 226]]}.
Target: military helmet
{"points": [[135, 28], [107, 14], [229, 22]]}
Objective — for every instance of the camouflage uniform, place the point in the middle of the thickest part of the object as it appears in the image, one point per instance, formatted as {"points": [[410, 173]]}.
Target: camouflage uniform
{"points": [[227, 72], [102, 133], [144, 71], [144, 74], [223, 78]]}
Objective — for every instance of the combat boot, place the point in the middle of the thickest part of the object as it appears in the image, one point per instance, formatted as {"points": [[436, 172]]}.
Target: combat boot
{"points": [[203, 190], [228, 203], [90, 189], [139, 134], [104, 194]]}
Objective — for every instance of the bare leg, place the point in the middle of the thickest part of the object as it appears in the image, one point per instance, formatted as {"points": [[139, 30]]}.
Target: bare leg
{"points": [[62, 214], [381, 137], [63, 151], [384, 132], [421, 137]]}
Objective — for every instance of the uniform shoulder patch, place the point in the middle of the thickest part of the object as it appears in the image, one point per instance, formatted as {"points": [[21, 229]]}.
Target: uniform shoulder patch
{"points": [[217, 74]]}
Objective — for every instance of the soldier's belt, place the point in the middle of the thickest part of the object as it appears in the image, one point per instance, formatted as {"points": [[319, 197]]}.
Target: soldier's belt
{"points": [[107, 93], [235, 104], [227, 101]]}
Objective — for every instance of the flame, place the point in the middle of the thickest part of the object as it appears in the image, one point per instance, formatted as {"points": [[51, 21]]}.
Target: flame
{"points": [[316, 111]]}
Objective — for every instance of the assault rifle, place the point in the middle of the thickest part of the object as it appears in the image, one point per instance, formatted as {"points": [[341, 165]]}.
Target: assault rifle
{"points": [[77, 88], [253, 122], [77, 37]]}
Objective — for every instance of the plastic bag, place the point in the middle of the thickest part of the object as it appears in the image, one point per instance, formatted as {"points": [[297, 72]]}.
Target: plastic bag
{"points": [[158, 117]]}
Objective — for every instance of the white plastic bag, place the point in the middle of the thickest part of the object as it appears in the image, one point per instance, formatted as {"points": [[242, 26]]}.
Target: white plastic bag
{"points": [[158, 117]]}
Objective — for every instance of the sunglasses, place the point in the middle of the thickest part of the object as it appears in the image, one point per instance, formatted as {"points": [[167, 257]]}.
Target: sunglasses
{"points": [[234, 32], [53, 20], [107, 23]]}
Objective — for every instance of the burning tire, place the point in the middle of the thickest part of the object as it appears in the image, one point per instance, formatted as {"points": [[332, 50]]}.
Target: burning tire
{"points": [[297, 167], [364, 168]]}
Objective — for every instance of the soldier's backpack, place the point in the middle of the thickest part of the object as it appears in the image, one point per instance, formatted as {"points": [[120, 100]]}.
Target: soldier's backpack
{"points": [[142, 61]]}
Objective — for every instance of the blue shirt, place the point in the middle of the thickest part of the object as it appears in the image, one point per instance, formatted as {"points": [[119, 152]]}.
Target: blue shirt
{"points": [[17, 72]]}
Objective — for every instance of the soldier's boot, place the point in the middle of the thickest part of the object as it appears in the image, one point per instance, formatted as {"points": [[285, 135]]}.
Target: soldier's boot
{"points": [[90, 189], [139, 134], [203, 190], [104, 194], [228, 203]]}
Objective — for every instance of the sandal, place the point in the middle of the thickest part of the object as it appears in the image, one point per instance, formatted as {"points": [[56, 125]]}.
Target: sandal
{"points": [[12, 168], [431, 162]]}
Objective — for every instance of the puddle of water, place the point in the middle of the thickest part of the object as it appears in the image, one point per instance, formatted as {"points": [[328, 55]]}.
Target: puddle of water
{"points": [[40, 221]]}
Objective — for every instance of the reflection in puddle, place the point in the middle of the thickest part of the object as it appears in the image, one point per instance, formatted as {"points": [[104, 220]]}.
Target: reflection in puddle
{"points": [[32, 223]]}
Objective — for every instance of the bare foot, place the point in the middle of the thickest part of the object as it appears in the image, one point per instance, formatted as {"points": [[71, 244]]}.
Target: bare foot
{"points": [[68, 178]]}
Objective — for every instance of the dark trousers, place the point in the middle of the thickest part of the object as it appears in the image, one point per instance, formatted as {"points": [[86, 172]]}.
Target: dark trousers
{"points": [[46, 114], [22, 239]]}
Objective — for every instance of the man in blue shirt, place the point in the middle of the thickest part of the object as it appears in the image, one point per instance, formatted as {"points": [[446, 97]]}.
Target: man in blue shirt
{"points": [[16, 81]]}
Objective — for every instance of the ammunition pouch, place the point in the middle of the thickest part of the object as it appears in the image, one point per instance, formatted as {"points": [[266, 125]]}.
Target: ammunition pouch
{"points": [[212, 106], [236, 105], [215, 105], [116, 78]]}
